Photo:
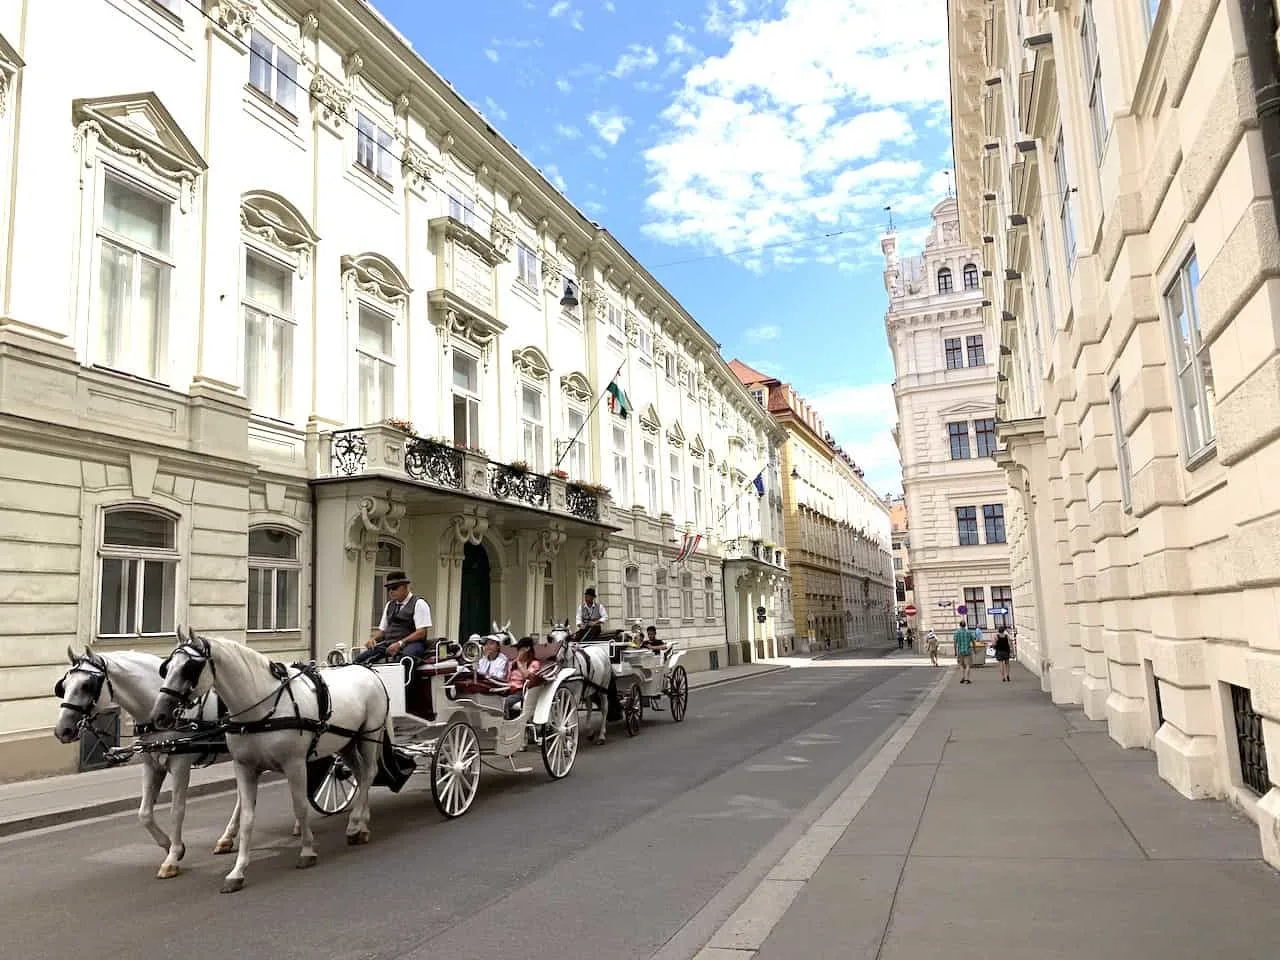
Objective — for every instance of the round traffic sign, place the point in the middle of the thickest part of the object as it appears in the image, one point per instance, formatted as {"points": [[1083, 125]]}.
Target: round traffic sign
{"points": [[909, 610], [962, 609]]}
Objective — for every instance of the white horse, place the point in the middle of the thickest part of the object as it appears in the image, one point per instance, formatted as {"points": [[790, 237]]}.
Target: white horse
{"points": [[592, 661], [132, 681], [280, 717]]}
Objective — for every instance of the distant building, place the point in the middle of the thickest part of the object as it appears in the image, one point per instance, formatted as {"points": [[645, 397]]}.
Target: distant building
{"points": [[903, 586]]}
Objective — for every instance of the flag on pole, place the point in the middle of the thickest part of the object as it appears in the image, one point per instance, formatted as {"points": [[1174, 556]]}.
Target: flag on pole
{"points": [[618, 400], [688, 547], [759, 482]]}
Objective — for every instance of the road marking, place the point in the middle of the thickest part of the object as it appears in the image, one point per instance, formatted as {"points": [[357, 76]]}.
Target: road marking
{"points": [[746, 930]]}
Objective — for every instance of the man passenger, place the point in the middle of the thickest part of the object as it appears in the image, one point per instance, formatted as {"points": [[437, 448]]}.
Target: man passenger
{"points": [[494, 664], [651, 641]]}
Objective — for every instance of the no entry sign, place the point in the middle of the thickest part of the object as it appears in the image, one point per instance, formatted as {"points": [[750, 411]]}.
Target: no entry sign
{"points": [[909, 610]]}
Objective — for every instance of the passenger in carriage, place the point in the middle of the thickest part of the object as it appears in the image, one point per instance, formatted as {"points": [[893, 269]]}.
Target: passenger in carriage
{"points": [[591, 616], [651, 641], [402, 631], [494, 664], [523, 669]]}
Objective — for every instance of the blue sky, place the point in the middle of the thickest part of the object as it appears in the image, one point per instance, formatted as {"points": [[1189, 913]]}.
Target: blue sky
{"points": [[717, 139]]}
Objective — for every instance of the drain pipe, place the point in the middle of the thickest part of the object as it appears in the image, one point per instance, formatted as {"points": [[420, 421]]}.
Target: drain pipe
{"points": [[1264, 64]]}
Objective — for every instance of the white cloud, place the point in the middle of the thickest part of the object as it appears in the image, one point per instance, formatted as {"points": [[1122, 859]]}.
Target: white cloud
{"points": [[492, 54], [559, 8], [563, 85], [861, 418], [493, 110], [678, 46], [552, 173], [766, 331], [609, 6], [594, 208], [803, 126], [568, 131], [609, 124], [597, 151], [636, 57]]}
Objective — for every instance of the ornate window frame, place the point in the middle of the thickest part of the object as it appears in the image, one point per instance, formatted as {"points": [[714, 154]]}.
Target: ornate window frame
{"points": [[372, 280], [533, 370]]}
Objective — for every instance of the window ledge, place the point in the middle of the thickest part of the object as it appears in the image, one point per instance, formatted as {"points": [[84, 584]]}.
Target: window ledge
{"points": [[271, 115], [164, 24], [372, 185]]}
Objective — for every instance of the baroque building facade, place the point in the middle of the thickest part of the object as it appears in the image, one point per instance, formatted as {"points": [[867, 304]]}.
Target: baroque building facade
{"points": [[836, 528], [1119, 174], [944, 360], [325, 322]]}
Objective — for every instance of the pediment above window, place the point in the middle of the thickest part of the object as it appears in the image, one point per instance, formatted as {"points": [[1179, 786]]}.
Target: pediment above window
{"points": [[275, 221], [576, 387], [531, 362], [138, 126], [967, 409], [457, 232], [649, 421], [374, 274], [696, 448], [675, 436], [10, 64]]}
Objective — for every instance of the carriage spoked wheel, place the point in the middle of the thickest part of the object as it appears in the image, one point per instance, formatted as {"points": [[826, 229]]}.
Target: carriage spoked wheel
{"points": [[560, 735], [331, 785], [455, 769], [678, 693], [633, 709]]}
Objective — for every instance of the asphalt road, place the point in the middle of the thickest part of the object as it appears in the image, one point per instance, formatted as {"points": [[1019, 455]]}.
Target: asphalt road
{"points": [[608, 863]]}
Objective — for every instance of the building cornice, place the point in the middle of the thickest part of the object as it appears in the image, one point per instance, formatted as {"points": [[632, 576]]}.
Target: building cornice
{"points": [[966, 36]]}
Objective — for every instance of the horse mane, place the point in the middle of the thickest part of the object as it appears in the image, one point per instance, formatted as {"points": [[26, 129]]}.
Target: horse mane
{"points": [[135, 657], [248, 657]]}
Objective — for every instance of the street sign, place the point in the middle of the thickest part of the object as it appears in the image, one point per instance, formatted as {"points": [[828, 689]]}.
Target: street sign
{"points": [[999, 611], [761, 615], [962, 609], [909, 610]]}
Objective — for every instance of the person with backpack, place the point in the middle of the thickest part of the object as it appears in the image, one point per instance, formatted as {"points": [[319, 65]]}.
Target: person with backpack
{"points": [[964, 640]]}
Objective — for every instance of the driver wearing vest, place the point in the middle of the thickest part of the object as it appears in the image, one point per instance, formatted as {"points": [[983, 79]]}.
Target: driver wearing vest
{"points": [[591, 616], [402, 631]]}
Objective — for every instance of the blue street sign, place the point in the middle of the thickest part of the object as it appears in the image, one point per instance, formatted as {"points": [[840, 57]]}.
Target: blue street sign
{"points": [[999, 611], [962, 609]]}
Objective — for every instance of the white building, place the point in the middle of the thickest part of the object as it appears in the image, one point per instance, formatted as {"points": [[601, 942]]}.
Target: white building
{"points": [[945, 390], [314, 317]]}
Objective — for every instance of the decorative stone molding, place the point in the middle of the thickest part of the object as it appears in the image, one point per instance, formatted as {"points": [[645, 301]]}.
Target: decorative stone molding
{"points": [[552, 273], [516, 201], [696, 448], [649, 421], [675, 435], [10, 64], [593, 551], [353, 64], [416, 167], [374, 517], [546, 544], [577, 387], [465, 528], [374, 274], [275, 221], [331, 97], [632, 326], [401, 106], [594, 297], [454, 324], [234, 16], [531, 362], [502, 234], [309, 25]]}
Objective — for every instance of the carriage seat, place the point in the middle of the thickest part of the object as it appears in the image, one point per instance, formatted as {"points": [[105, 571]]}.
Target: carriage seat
{"points": [[470, 685]]}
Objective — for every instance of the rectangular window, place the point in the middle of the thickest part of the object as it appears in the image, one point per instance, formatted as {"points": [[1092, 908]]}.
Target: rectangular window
{"points": [[974, 345], [686, 595], [644, 340], [985, 433], [466, 400], [695, 487], [955, 353], [993, 520], [677, 492], [651, 478], [958, 436], [527, 266], [1002, 597], [268, 337], [897, 563], [709, 596], [273, 73], [1048, 280], [967, 526], [1192, 367], [137, 574], [462, 208], [548, 594], [1066, 208], [669, 367], [613, 316], [274, 572], [376, 368], [1098, 118], [577, 464], [621, 469], [532, 427], [631, 595], [662, 595], [1122, 449], [373, 147], [975, 607], [134, 273]]}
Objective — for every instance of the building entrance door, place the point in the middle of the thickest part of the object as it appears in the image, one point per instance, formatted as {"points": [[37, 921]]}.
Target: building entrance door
{"points": [[475, 614]]}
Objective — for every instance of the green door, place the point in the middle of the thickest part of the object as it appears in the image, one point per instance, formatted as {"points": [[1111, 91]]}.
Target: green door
{"points": [[475, 612]]}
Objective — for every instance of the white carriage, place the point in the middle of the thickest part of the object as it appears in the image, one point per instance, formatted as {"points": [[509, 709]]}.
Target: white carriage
{"points": [[449, 722], [645, 677]]}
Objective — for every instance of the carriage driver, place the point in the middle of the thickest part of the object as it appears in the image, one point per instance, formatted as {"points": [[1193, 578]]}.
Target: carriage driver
{"points": [[405, 621], [591, 615]]}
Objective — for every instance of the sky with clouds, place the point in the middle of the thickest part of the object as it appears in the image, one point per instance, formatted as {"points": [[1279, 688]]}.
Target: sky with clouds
{"points": [[742, 150]]}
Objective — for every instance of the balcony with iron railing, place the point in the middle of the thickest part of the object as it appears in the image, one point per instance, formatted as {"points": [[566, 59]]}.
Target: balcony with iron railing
{"points": [[745, 548]]}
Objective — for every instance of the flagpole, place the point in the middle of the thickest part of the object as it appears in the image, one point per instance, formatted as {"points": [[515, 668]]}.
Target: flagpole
{"points": [[587, 419], [729, 506]]}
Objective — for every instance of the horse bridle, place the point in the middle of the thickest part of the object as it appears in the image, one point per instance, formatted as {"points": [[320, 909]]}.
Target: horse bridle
{"points": [[198, 653], [92, 666]]}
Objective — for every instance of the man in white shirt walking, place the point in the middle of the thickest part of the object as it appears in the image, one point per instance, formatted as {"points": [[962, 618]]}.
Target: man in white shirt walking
{"points": [[402, 632]]}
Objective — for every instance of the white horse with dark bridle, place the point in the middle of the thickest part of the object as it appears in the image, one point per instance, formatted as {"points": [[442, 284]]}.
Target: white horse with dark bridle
{"points": [[132, 681], [279, 718], [593, 663]]}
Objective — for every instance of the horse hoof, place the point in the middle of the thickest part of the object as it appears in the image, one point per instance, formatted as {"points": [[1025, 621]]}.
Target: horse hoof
{"points": [[305, 861], [359, 838], [223, 846], [167, 871], [232, 886]]}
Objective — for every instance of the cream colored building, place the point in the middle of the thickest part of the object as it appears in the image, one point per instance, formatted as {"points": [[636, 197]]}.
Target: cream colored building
{"points": [[944, 360], [281, 312], [1113, 167], [904, 585], [836, 528]]}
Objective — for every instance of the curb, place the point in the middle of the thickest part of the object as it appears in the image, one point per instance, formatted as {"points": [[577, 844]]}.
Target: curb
{"points": [[749, 676]]}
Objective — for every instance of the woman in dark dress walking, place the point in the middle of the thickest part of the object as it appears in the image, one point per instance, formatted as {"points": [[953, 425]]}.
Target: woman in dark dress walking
{"points": [[1003, 649]]}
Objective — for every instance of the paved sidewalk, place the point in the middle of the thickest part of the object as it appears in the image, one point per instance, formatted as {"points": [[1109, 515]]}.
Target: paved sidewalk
{"points": [[34, 804], [1008, 829]]}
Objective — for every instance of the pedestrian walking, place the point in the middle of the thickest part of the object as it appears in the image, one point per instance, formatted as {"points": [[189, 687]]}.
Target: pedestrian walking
{"points": [[931, 644], [1003, 649], [901, 638], [911, 637], [964, 639]]}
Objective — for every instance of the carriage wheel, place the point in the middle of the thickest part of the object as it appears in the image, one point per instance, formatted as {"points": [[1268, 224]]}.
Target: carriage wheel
{"points": [[678, 693], [560, 736], [455, 769], [331, 785], [633, 709]]}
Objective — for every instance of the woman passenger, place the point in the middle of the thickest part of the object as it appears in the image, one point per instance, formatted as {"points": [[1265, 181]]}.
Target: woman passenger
{"points": [[523, 669]]}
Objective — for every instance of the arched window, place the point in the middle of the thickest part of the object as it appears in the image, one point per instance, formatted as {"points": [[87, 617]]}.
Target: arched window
{"points": [[389, 559], [660, 591], [631, 595], [274, 574], [944, 280], [970, 276], [137, 573]]}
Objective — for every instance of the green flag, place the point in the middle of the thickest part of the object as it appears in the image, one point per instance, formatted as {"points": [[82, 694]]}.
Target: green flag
{"points": [[621, 405]]}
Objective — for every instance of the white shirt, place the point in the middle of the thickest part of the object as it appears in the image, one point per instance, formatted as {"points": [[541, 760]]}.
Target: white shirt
{"points": [[495, 669], [604, 614], [421, 613]]}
